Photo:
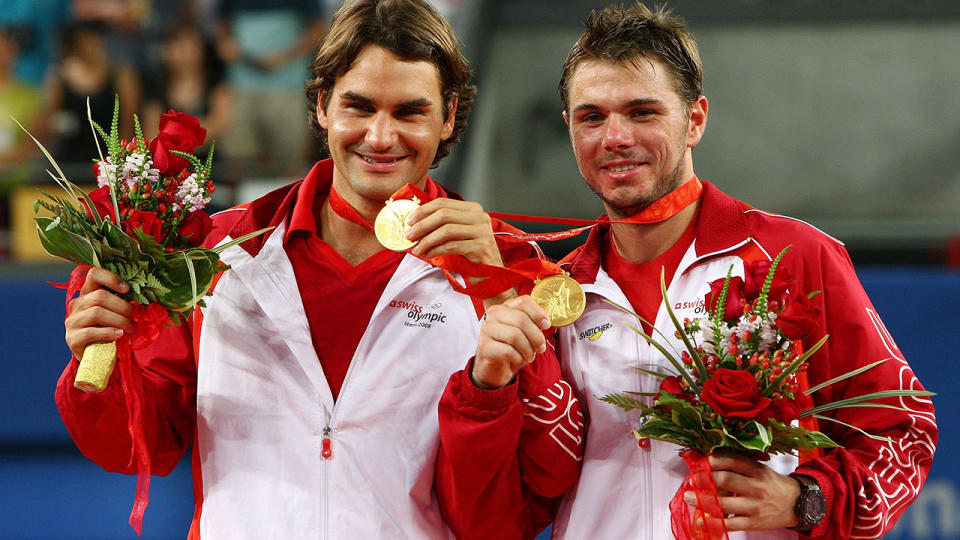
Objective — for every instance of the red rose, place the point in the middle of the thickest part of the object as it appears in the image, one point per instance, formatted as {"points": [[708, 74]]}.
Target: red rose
{"points": [[178, 131], [102, 203], [756, 273], [782, 410], [734, 393], [147, 221], [799, 318], [671, 385], [195, 227], [733, 308]]}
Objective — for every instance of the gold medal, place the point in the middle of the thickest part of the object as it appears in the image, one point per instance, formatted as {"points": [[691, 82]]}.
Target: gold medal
{"points": [[391, 224], [561, 297]]}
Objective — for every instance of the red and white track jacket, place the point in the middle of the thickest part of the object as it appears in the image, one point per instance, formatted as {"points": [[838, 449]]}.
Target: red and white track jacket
{"points": [[274, 455], [623, 490]]}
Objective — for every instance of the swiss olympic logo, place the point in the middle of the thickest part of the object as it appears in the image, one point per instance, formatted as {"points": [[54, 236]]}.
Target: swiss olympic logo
{"points": [[419, 316]]}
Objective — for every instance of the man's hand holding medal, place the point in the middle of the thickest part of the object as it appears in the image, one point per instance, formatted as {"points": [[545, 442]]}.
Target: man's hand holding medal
{"points": [[457, 236]]}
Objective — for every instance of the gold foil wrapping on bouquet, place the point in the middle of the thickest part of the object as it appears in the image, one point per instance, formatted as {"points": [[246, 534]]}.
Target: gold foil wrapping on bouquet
{"points": [[96, 366]]}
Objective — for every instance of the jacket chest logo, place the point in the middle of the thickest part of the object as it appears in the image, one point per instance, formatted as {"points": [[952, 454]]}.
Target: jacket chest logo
{"points": [[418, 316], [594, 333], [697, 306]]}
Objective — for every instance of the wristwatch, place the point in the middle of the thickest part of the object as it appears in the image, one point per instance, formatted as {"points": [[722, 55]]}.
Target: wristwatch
{"points": [[811, 505]]}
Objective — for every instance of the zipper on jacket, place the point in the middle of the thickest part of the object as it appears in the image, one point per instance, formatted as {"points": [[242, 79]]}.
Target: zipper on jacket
{"points": [[645, 350], [326, 451]]}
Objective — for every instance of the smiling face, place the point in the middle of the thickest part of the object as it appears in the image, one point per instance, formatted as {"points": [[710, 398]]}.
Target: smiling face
{"points": [[384, 119], [631, 132]]}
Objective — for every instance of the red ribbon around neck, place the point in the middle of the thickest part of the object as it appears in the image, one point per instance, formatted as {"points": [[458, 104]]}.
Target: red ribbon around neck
{"points": [[706, 521], [147, 322], [496, 279], [662, 209]]}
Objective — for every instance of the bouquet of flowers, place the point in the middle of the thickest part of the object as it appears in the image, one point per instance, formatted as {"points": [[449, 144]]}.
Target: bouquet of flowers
{"points": [[735, 386], [146, 223]]}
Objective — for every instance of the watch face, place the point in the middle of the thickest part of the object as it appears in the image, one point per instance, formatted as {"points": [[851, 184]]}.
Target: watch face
{"points": [[814, 507]]}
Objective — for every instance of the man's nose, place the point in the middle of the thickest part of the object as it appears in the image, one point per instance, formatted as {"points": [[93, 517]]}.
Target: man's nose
{"points": [[381, 133], [617, 133]]}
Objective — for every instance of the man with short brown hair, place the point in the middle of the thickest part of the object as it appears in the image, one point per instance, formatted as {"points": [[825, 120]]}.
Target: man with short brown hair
{"points": [[634, 106]]}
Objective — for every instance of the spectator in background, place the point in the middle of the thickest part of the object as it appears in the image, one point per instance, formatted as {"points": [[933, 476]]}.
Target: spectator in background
{"points": [[85, 72], [35, 23], [124, 25], [19, 100], [190, 80], [266, 45]]}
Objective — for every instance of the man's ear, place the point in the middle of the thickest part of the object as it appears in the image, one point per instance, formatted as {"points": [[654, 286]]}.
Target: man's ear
{"points": [[321, 110], [566, 119], [697, 121], [447, 130]]}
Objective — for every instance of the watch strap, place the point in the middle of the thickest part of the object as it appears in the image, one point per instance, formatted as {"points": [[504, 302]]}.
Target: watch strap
{"points": [[809, 488]]}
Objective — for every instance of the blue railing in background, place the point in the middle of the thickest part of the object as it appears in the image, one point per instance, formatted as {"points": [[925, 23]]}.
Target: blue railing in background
{"points": [[48, 490]]}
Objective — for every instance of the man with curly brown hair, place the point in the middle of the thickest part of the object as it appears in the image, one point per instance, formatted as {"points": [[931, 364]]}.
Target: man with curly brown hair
{"points": [[310, 381]]}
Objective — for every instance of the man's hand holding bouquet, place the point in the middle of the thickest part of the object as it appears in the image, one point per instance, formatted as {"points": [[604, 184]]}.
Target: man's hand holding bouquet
{"points": [[739, 386]]}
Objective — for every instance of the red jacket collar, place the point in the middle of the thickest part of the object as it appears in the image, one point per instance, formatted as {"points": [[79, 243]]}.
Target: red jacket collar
{"points": [[303, 195], [273, 208], [721, 225]]}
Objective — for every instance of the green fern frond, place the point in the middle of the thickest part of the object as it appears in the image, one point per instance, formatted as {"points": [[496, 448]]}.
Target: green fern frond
{"points": [[626, 403], [761, 307], [717, 315], [194, 160], [138, 133], [208, 165]]}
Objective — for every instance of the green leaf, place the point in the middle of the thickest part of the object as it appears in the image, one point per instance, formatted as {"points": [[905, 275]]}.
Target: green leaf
{"points": [[64, 244], [858, 400], [753, 436], [846, 375], [676, 363], [697, 361], [870, 435], [188, 275], [121, 241], [794, 366], [787, 439], [684, 414], [222, 247], [665, 430], [657, 374]]}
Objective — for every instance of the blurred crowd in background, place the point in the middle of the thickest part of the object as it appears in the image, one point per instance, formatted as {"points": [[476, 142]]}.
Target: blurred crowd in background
{"points": [[237, 65]]}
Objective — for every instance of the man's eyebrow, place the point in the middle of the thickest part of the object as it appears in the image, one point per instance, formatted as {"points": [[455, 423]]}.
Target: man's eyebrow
{"points": [[413, 103], [632, 103], [353, 96], [417, 103]]}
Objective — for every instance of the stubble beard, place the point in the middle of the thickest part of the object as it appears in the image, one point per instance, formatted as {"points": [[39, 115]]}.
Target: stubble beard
{"points": [[664, 185]]}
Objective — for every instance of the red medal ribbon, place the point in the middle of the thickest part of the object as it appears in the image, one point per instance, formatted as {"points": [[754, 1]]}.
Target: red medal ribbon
{"points": [[706, 523], [497, 278], [147, 321], [662, 209], [343, 209]]}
